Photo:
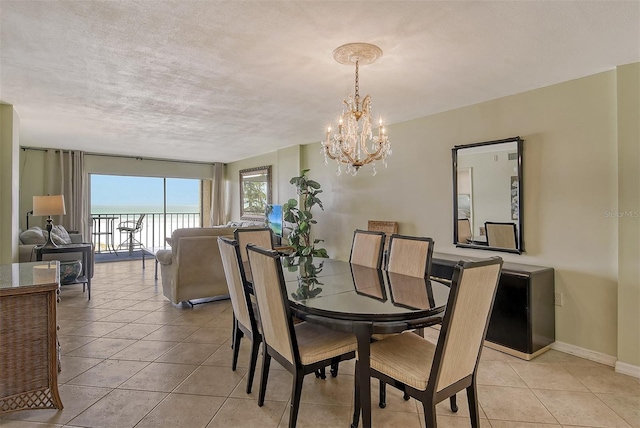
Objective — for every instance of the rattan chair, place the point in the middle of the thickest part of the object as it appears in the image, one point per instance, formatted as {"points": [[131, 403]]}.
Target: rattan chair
{"points": [[301, 349], [432, 373], [245, 321], [410, 255], [366, 248], [502, 235]]}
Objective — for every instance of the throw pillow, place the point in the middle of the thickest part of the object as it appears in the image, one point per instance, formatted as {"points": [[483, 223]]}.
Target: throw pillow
{"points": [[33, 236], [60, 232], [55, 238]]}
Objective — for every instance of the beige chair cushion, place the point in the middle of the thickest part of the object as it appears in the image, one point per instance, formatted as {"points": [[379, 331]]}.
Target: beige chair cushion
{"points": [[406, 357], [317, 343]]}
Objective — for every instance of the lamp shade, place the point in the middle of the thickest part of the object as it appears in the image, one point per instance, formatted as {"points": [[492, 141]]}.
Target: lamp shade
{"points": [[48, 205]]}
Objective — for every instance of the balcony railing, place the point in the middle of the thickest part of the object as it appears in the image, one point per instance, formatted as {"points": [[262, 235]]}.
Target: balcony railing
{"points": [[156, 227]]}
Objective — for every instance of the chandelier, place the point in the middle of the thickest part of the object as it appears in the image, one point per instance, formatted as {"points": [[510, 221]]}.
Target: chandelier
{"points": [[354, 145]]}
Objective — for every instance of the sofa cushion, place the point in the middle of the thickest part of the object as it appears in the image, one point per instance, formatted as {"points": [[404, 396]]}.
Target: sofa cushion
{"points": [[33, 236], [61, 233]]}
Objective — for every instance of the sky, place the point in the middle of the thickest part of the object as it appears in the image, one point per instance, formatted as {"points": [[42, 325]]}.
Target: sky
{"points": [[142, 191]]}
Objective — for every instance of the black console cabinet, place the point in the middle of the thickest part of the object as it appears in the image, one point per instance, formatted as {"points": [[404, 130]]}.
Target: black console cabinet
{"points": [[523, 319]]}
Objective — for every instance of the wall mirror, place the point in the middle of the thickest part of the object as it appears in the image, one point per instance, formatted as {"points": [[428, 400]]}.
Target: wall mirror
{"points": [[487, 195], [255, 192]]}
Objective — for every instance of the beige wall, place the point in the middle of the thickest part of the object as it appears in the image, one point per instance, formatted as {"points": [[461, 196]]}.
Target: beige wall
{"points": [[629, 211], [9, 193], [34, 174], [570, 182]]}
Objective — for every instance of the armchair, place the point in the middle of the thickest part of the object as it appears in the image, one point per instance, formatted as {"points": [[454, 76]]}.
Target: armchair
{"points": [[192, 268]]}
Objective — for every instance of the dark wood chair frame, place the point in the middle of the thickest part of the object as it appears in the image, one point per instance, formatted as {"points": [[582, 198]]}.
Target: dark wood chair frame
{"points": [[298, 370], [239, 330], [430, 397]]}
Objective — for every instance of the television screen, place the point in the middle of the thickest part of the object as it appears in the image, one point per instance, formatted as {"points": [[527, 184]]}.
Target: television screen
{"points": [[274, 218]]}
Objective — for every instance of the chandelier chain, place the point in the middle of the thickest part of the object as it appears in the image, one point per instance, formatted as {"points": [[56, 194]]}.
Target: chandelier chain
{"points": [[357, 84]]}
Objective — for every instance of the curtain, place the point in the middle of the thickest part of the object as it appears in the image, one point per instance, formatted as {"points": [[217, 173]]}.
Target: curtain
{"points": [[66, 175], [218, 212]]}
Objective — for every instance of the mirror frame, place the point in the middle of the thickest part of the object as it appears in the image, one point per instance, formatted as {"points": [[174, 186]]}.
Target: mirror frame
{"points": [[244, 173], [454, 152]]}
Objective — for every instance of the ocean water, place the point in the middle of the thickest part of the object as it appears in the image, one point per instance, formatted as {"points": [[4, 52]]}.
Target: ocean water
{"points": [[138, 209]]}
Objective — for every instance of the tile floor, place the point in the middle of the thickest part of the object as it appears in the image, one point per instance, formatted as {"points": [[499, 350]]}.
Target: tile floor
{"points": [[132, 359]]}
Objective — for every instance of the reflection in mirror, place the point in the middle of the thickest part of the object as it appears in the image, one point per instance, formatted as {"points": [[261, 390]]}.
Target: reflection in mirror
{"points": [[255, 192], [410, 292], [487, 183], [368, 281]]}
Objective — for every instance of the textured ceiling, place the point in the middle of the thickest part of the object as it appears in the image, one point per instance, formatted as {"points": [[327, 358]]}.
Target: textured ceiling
{"points": [[226, 80]]}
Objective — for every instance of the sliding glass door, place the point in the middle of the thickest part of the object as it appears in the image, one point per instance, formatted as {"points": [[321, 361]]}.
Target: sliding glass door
{"points": [[164, 204]]}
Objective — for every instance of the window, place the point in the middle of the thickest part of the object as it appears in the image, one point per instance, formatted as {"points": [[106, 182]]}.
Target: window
{"points": [[169, 204]]}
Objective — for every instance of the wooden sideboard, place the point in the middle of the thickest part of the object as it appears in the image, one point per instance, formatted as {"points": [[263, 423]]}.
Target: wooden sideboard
{"points": [[523, 319], [28, 334]]}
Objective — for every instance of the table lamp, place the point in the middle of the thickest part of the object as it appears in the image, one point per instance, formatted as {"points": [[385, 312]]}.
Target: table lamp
{"points": [[49, 205]]}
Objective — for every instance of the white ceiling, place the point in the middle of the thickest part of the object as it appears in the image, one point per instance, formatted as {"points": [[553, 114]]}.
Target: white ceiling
{"points": [[226, 80]]}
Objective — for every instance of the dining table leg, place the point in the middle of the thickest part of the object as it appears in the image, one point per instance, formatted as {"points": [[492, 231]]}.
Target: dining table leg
{"points": [[363, 331]]}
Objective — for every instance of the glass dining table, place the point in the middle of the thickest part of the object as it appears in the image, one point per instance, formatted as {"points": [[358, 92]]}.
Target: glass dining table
{"points": [[363, 301]]}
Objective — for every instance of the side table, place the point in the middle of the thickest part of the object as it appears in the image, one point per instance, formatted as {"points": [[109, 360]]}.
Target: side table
{"points": [[152, 252], [85, 249], [29, 352]]}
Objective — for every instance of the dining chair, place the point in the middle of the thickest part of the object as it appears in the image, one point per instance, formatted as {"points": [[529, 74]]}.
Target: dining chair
{"points": [[262, 237], [367, 248], [302, 348], [410, 255], [464, 231], [501, 235], [245, 321], [431, 372]]}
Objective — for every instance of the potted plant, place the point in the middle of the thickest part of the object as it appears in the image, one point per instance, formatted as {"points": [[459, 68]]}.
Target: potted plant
{"points": [[300, 217]]}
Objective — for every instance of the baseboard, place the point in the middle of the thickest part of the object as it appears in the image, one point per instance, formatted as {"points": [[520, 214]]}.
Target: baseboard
{"points": [[628, 369], [587, 354]]}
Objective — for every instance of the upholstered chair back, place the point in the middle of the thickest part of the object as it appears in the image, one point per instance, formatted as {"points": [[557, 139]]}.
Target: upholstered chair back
{"points": [[258, 236], [501, 235], [465, 323], [464, 230], [273, 304], [410, 255], [366, 249], [229, 251]]}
